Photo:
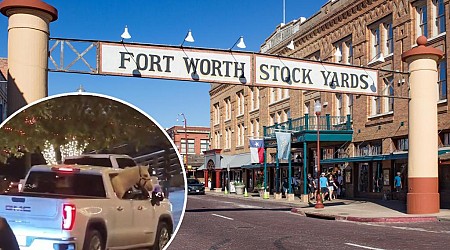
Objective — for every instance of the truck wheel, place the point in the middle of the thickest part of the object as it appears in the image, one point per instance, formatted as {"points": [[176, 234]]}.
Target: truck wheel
{"points": [[93, 241], [163, 235]]}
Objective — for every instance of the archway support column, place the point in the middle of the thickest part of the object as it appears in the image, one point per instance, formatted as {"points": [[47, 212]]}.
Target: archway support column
{"points": [[28, 35], [423, 193]]}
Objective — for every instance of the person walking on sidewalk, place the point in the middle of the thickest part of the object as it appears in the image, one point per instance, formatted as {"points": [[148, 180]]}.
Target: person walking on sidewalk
{"points": [[311, 187], [398, 182], [331, 187], [323, 185]]}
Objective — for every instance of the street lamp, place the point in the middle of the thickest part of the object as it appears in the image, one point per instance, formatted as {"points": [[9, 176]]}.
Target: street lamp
{"points": [[186, 139], [317, 110]]}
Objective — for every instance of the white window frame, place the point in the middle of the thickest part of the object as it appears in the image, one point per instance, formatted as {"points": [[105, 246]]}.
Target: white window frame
{"points": [[227, 108], [421, 20], [240, 103], [389, 31], [216, 113], [439, 17], [339, 105], [388, 91], [376, 43], [349, 109]]}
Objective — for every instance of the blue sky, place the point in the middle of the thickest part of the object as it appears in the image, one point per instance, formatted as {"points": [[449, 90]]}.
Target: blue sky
{"points": [[214, 24]]}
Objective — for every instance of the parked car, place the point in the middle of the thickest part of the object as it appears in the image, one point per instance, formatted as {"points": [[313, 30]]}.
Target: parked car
{"points": [[195, 186]]}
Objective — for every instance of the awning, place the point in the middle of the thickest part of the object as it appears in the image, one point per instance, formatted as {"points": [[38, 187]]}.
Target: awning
{"points": [[369, 158], [270, 165], [202, 167], [235, 161]]}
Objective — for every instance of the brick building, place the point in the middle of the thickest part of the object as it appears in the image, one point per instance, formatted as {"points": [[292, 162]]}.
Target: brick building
{"points": [[372, 145], [197, 143]]}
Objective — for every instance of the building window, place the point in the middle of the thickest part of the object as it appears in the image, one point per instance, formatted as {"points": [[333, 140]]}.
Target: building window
{"points": [[338, 111], [216, 114], [402, 144], [240, 135], [371, 148], [389, 91], [284, 93], [389, 39], [375, 105], [272, 119], [446, 139], [382, 40], [204, 145], [254, 95], [376, 46], [240, 103], [344, 51], [439, 16], [306, 108], [422, 29], [287, 114], [442, 79], [191, 146], [217, 139], [228, 138], [227, 108], [256, 128], [338, 54], [349, 104], [349, 46]]}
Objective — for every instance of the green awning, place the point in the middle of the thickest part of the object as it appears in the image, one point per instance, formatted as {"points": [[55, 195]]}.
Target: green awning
{"points": [[369, 158]]}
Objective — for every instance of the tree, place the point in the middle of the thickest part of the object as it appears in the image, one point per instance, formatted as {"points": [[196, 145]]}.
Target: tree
{"points": [[102, 123]]}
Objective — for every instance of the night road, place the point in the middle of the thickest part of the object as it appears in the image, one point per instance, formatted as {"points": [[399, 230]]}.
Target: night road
{"points": [[212, 222]]}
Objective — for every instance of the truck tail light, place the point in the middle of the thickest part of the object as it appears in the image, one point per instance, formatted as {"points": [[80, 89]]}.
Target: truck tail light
{"points": [[68, 214]]}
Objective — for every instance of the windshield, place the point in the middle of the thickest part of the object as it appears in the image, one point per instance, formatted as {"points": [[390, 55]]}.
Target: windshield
{"points": [[193, 181], [65, 183]]}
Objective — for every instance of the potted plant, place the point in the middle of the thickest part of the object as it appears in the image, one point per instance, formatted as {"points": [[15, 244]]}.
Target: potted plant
{"points": [[239, 186], [259, 186]]}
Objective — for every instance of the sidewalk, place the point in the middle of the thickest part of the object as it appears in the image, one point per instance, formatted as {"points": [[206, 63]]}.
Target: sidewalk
{"points": [[350, 210]]}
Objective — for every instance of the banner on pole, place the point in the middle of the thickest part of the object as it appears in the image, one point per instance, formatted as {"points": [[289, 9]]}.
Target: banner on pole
{"points": [[283, 145]]}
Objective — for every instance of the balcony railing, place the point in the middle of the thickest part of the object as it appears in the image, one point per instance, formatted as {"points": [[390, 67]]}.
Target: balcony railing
{"points": [[309, 123]]}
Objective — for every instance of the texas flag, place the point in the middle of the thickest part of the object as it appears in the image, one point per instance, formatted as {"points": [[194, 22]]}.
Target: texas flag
{"points": [[257, 150]]}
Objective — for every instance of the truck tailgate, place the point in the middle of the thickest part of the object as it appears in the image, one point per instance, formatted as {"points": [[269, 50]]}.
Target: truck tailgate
{"points": [[32, 211]]}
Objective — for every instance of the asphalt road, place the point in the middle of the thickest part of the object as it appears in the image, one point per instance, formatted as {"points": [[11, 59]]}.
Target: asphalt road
{"points": [[212, 222]]}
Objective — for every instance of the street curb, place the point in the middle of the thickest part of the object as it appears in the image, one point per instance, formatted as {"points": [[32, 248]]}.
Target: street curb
{"points": [[364, 219]]}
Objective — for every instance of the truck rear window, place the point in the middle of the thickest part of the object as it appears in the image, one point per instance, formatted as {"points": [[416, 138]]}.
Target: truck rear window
{"points": [[101, 162], [65, 184]]}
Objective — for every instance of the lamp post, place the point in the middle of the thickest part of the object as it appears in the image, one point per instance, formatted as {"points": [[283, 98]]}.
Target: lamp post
{"points": [[317, 110], [186, 139]]}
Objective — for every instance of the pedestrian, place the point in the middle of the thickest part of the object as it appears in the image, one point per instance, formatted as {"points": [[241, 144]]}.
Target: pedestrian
{"points": [[340, 183], [311, 187], [294, 183], [323, 181], [285, 186], [398, 182], [331, 188]]}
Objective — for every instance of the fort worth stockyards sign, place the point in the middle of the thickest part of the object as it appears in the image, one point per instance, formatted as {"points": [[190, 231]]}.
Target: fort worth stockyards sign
{"points": [[232, 67]]}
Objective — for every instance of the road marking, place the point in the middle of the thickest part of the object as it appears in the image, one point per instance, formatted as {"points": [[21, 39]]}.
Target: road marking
{"points": [[406, 228], [221, 216], [247, 206], [361, 246]]}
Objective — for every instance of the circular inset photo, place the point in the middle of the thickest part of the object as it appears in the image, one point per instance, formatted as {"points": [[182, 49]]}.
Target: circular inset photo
{"points": [[88, 171]]}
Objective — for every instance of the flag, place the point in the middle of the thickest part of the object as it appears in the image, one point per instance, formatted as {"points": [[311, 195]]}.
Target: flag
{"points": [[257, 150], [283, 145]]}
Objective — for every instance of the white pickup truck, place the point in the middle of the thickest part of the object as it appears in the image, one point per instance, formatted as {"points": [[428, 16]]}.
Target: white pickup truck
{"points": [[72, 207]]}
